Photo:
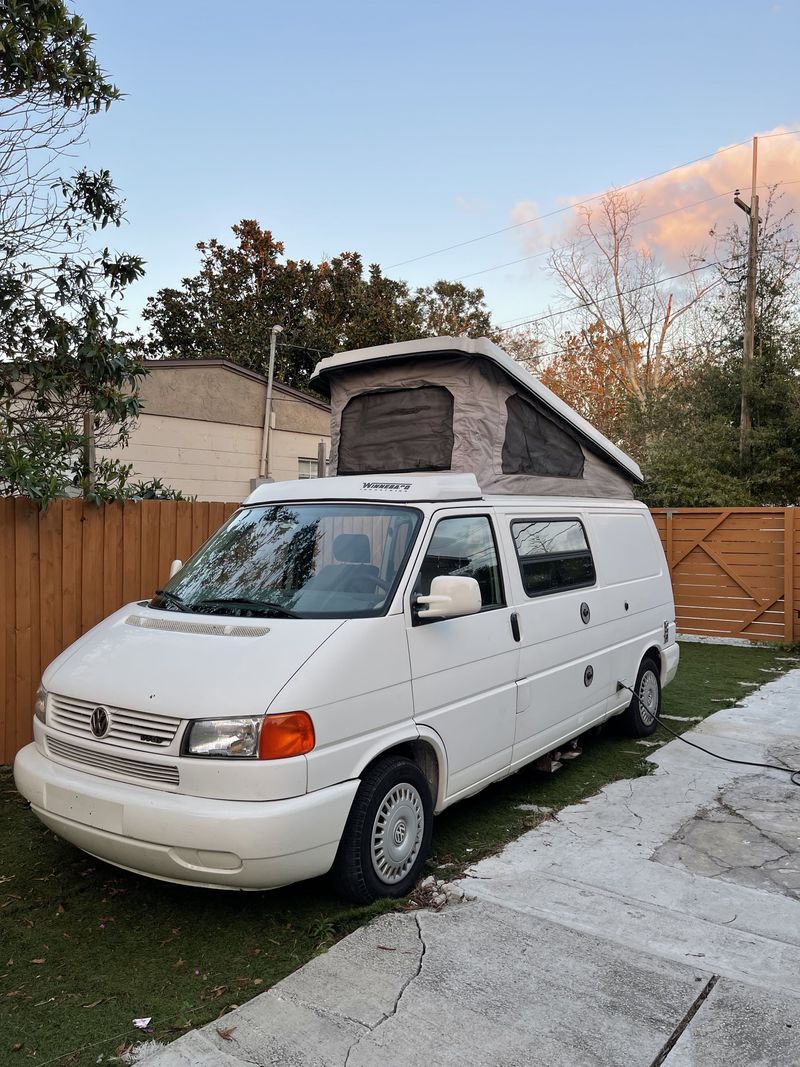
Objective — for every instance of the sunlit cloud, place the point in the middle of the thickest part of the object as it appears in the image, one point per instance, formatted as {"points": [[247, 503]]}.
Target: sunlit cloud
{"points": [[679, 209], [532, 233]]}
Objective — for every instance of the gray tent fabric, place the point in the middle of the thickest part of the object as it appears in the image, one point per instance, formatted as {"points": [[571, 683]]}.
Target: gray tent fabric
{"points": [[502, 458]]}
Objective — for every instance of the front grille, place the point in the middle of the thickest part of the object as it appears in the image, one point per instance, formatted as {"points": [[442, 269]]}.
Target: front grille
{"points": [[135, 728], [167, 774]]}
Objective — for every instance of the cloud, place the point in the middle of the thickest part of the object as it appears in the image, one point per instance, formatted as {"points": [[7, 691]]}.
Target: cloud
{"points": [[532, 234], [679, 209]]}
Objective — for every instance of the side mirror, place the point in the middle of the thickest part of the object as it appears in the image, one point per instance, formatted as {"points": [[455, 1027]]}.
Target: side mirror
{"points": [[174, 567], [450, 596]]}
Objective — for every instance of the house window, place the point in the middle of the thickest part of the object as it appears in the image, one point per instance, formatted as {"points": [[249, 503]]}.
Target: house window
{"points": [[553, 555], [307, 468]]}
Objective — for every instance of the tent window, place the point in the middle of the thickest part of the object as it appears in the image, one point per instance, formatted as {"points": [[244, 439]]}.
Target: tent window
{"points": [[536, 444], [393, 430]]}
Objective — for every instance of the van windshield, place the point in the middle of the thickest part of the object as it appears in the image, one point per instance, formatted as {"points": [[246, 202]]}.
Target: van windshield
{"points": [[298, 561]]}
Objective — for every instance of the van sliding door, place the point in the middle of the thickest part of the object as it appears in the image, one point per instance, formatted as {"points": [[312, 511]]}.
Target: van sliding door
{"points": [[563, 679]]}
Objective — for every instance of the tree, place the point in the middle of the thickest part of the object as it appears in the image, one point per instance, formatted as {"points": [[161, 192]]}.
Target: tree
{"points": [[585, 374], [623, 297], [229, 307], [450, 309], [63, 373], [694, 459]]}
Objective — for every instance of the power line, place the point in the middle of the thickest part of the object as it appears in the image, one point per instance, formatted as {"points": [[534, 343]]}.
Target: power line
{"points": [[605, 299], [570, 207], [766, 185], [588, 240], [546, 355], [783, 133], [589, 200], [305, 348]]}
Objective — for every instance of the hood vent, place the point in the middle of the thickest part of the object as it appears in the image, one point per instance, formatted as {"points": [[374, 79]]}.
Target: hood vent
{"points": [[214, 629]]}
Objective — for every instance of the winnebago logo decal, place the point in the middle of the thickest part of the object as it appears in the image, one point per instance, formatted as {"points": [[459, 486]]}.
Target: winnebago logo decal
{"points": [[399, 486]]}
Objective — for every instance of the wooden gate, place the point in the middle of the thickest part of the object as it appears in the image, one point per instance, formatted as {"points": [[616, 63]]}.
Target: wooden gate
{"points": [[735, 571]]}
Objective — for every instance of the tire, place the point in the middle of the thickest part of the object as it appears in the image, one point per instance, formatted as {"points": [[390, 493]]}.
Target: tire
{"points": [[387, 836], [636, 720]]}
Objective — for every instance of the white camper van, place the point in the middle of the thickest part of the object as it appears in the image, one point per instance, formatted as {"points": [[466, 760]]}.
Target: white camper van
{"points": [[348, 656]]}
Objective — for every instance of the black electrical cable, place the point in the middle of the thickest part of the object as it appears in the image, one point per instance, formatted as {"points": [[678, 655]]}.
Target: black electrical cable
{"points": [[795, 774]]}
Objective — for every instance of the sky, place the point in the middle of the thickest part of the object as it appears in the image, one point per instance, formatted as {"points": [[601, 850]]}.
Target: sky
{"points": [[399, 130]]}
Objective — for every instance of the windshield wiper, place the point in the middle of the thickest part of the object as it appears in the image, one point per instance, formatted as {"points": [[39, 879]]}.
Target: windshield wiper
{"points": [[267, 607], [174, 599]]}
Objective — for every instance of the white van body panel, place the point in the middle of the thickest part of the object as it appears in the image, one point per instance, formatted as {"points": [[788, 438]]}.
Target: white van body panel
{"points": [[358, 695], [464, 696], [464, 677], [193, 675]]}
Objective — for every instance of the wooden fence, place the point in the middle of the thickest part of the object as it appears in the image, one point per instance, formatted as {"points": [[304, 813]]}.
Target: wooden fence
{"points": [[64, 569], [735, 573]]}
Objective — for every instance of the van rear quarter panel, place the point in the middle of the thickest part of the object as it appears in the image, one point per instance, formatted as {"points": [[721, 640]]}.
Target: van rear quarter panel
{"points": [[637, 599]]}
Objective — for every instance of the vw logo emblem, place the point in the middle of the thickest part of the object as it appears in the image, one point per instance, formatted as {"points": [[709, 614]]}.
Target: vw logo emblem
{"points": [[399, 832], [100, 722]]}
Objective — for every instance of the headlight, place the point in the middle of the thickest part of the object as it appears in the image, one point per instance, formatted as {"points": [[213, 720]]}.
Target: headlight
{"points": [[40, 704], [265, 737], [224, 737]]}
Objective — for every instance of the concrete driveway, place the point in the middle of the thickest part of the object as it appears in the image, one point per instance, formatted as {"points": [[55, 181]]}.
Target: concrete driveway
{"points": [[658, 922]]}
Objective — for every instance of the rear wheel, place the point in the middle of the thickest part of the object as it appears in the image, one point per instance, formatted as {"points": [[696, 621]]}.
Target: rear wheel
{"points": [[388, 833], [640, 718]]}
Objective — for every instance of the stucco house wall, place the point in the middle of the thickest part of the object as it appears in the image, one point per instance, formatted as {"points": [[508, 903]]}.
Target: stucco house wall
{"points": [[202, 429]]}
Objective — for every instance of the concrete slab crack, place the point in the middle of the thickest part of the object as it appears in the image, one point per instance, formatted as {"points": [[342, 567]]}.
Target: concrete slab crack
{"points": [[628, 808], [400, 994], [695, 1006], [736, 814], [237, 1046], [323, 1013]]}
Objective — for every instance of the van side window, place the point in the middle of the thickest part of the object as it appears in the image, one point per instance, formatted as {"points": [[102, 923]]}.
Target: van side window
{"points": [[553, 555], [464, 545]]}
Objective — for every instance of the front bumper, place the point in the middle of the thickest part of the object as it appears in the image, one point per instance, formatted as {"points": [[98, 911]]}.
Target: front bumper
{"points": [[221, 844]]}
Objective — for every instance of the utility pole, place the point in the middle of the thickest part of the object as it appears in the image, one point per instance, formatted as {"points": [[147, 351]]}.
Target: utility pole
{"points": [[89, 461], [264, 466], [746, 424]]}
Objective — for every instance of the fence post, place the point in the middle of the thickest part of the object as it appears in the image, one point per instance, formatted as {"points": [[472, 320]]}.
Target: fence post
{"points": [[788, 575]]}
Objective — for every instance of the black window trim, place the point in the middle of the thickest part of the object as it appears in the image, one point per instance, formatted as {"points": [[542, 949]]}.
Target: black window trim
{"points": [[560, 588], [416, 621]]}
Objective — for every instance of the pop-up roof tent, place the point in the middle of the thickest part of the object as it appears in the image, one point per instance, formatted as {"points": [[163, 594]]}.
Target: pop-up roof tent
{"points": [[458, 404]]}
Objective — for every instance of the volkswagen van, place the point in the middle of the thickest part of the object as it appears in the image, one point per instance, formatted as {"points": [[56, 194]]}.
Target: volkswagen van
{"points": [[343, 659]]}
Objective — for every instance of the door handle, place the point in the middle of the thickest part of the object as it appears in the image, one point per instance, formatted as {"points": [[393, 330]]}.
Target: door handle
{"points": [[515, 626]]}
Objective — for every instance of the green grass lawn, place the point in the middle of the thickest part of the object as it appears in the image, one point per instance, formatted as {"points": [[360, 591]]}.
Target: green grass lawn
{"points": [[85, 948]]}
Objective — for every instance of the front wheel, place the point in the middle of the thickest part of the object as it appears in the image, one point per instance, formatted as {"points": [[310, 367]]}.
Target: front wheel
{"points": [[640, 718], [388, 833]]}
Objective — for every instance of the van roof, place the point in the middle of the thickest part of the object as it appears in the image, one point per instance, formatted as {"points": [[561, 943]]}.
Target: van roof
{"points": [[400, 487], [479, 348], [411, 488]]}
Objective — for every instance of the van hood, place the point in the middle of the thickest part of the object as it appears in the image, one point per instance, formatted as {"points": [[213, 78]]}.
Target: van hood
{"points": [[186, 665]]}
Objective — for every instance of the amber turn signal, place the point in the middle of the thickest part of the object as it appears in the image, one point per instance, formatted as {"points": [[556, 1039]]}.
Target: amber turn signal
{"points": [[286, 735]]}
